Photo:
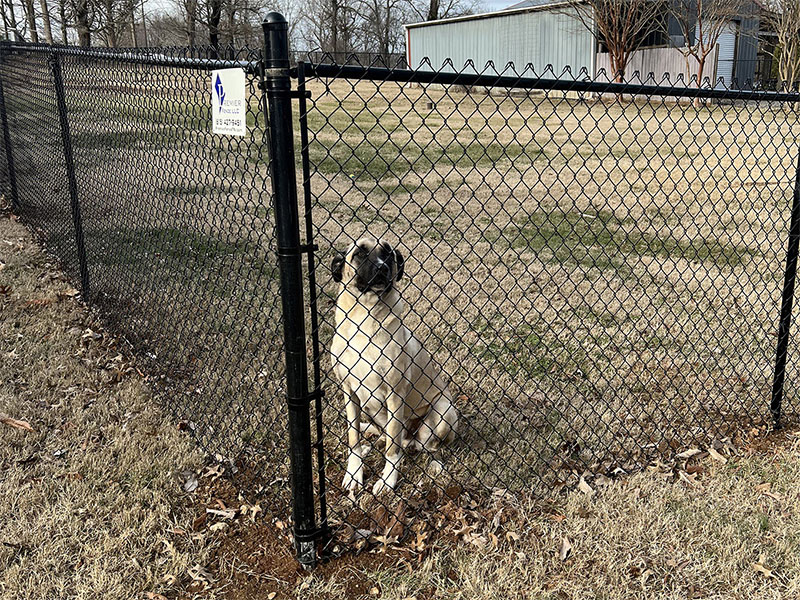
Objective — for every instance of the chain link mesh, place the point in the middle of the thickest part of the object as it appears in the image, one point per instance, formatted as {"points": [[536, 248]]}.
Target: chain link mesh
{"points": [[598, 276], [178, 228]]}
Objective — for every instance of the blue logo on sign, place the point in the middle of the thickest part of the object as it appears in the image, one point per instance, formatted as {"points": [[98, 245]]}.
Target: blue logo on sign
{"points": [[220, 91]]}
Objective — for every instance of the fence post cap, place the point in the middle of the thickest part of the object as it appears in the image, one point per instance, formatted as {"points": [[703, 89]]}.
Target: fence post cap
{"points": [[274, 18]]}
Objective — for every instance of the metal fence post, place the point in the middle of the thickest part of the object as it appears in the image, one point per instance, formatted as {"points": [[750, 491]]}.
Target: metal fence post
{"points": [[12, 174], [786, 302], [58, 82], [287, 224]]}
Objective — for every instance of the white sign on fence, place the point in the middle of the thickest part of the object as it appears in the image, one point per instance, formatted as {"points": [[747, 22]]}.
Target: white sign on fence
{"points": [[228, 106]]}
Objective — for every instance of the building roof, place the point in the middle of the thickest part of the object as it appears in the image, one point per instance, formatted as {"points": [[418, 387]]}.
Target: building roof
{"points": [[512, 10], [532, 4]]}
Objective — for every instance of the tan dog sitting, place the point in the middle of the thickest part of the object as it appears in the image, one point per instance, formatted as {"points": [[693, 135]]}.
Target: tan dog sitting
{"points": [[384, 370]]}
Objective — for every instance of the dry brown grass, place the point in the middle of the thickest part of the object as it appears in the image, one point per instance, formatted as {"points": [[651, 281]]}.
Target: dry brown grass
{"points": [[90, 502], [90, 499], [602, 276]]}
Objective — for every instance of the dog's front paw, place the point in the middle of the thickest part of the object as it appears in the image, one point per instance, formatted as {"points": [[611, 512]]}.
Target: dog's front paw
{"points": [[382, 485], [387, 482], [354, 477]]}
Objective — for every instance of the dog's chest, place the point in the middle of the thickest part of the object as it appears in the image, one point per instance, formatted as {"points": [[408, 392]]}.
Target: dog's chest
{"points": [[365, 357]]}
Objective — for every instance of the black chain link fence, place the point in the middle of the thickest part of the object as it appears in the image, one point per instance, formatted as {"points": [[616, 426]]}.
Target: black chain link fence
{"points": [[596, 270], [178, 230]]}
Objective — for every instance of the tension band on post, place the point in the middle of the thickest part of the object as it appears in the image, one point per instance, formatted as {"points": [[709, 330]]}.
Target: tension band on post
{"points": [[303, 401], [302, 249]]}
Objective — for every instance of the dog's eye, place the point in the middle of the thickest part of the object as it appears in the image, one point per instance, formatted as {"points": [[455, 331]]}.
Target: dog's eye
{"points": [[359, 251]]}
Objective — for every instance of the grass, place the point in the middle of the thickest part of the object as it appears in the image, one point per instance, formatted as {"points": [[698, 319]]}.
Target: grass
{"points": [[92, 500], [603, 240], [88, 498]]}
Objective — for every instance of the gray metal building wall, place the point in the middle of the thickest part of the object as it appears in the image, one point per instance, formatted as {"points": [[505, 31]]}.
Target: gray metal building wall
{"points": [[540, 37]]}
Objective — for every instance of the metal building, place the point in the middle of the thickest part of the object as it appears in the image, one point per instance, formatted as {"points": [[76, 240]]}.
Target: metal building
{"points": [[538, 35]]}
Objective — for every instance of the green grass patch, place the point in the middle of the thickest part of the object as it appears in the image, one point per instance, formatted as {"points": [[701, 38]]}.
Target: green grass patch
{"points": [[179, 248], [374, 160], [600, 239], [524, 350]]}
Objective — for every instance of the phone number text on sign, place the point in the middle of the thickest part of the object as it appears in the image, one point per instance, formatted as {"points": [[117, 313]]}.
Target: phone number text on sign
{"points": [[228, 106]]}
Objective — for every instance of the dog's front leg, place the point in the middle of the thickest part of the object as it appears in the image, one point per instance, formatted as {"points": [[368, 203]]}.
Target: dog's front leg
{"points": [[354, 477], [395, 426]]}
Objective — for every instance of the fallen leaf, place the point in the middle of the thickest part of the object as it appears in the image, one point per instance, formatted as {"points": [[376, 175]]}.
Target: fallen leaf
{"points": [[225, 514], [222, 525], [271, 595], [16, 423], [191, 483], [565, 549], [585, 487], [763, 487], [690, 479], [717, 456], [374, 591], [688, 453], [154, 596], [760, 568]]}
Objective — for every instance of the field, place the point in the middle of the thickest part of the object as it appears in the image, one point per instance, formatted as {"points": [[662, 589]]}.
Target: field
{"points": [[94, 500], [598, 278]]}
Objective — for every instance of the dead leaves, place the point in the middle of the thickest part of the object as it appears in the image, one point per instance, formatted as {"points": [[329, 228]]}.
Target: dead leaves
{"points": [[16, 423], [565, 548], [759, 567], [585, 487]]}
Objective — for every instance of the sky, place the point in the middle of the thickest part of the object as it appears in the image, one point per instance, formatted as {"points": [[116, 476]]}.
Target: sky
{"points": [[492, 5]]}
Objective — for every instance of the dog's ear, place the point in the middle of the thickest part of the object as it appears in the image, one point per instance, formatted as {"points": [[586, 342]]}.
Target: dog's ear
{"points": [[337, 265], [401, 265]]}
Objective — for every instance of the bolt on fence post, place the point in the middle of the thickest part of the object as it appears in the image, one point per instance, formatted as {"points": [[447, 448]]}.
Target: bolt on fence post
{"points": [[287, 225], [58, 82], [786, 302], [12, 174]]}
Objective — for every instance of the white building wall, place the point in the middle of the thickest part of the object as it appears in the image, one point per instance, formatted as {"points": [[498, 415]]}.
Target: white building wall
{"points": [[540, 38]]}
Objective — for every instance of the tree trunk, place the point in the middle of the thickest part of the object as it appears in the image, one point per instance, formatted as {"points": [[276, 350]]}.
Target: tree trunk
{"points": [[215, 15], [30, 15], [82, 23], [111, 26], [12, 20], [701, 65], [132, 17], [433, 10], [62, 15], [191, 22], [48, 31]]}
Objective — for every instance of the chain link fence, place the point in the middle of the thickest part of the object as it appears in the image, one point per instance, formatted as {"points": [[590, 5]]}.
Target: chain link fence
{"points": [[596, 272]]}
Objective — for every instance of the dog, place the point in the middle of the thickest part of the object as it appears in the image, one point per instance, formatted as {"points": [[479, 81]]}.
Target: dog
{"points": [[384, 370]]}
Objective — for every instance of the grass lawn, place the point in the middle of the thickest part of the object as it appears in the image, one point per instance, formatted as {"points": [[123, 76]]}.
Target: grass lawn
{"points": [[99, 499]]}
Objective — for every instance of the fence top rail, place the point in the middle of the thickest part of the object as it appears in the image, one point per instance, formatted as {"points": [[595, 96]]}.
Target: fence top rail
{"points": [[143, 56], [649, 87]]}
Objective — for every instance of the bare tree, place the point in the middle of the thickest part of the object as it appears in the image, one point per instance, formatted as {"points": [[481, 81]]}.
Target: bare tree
{"points": [[783, 18], [62, 18], [48, 31], [431, 10], [619, 25], [382, 24], [30, 16], [83, 21], [10, 20], [331, 25], [702, 22]]}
